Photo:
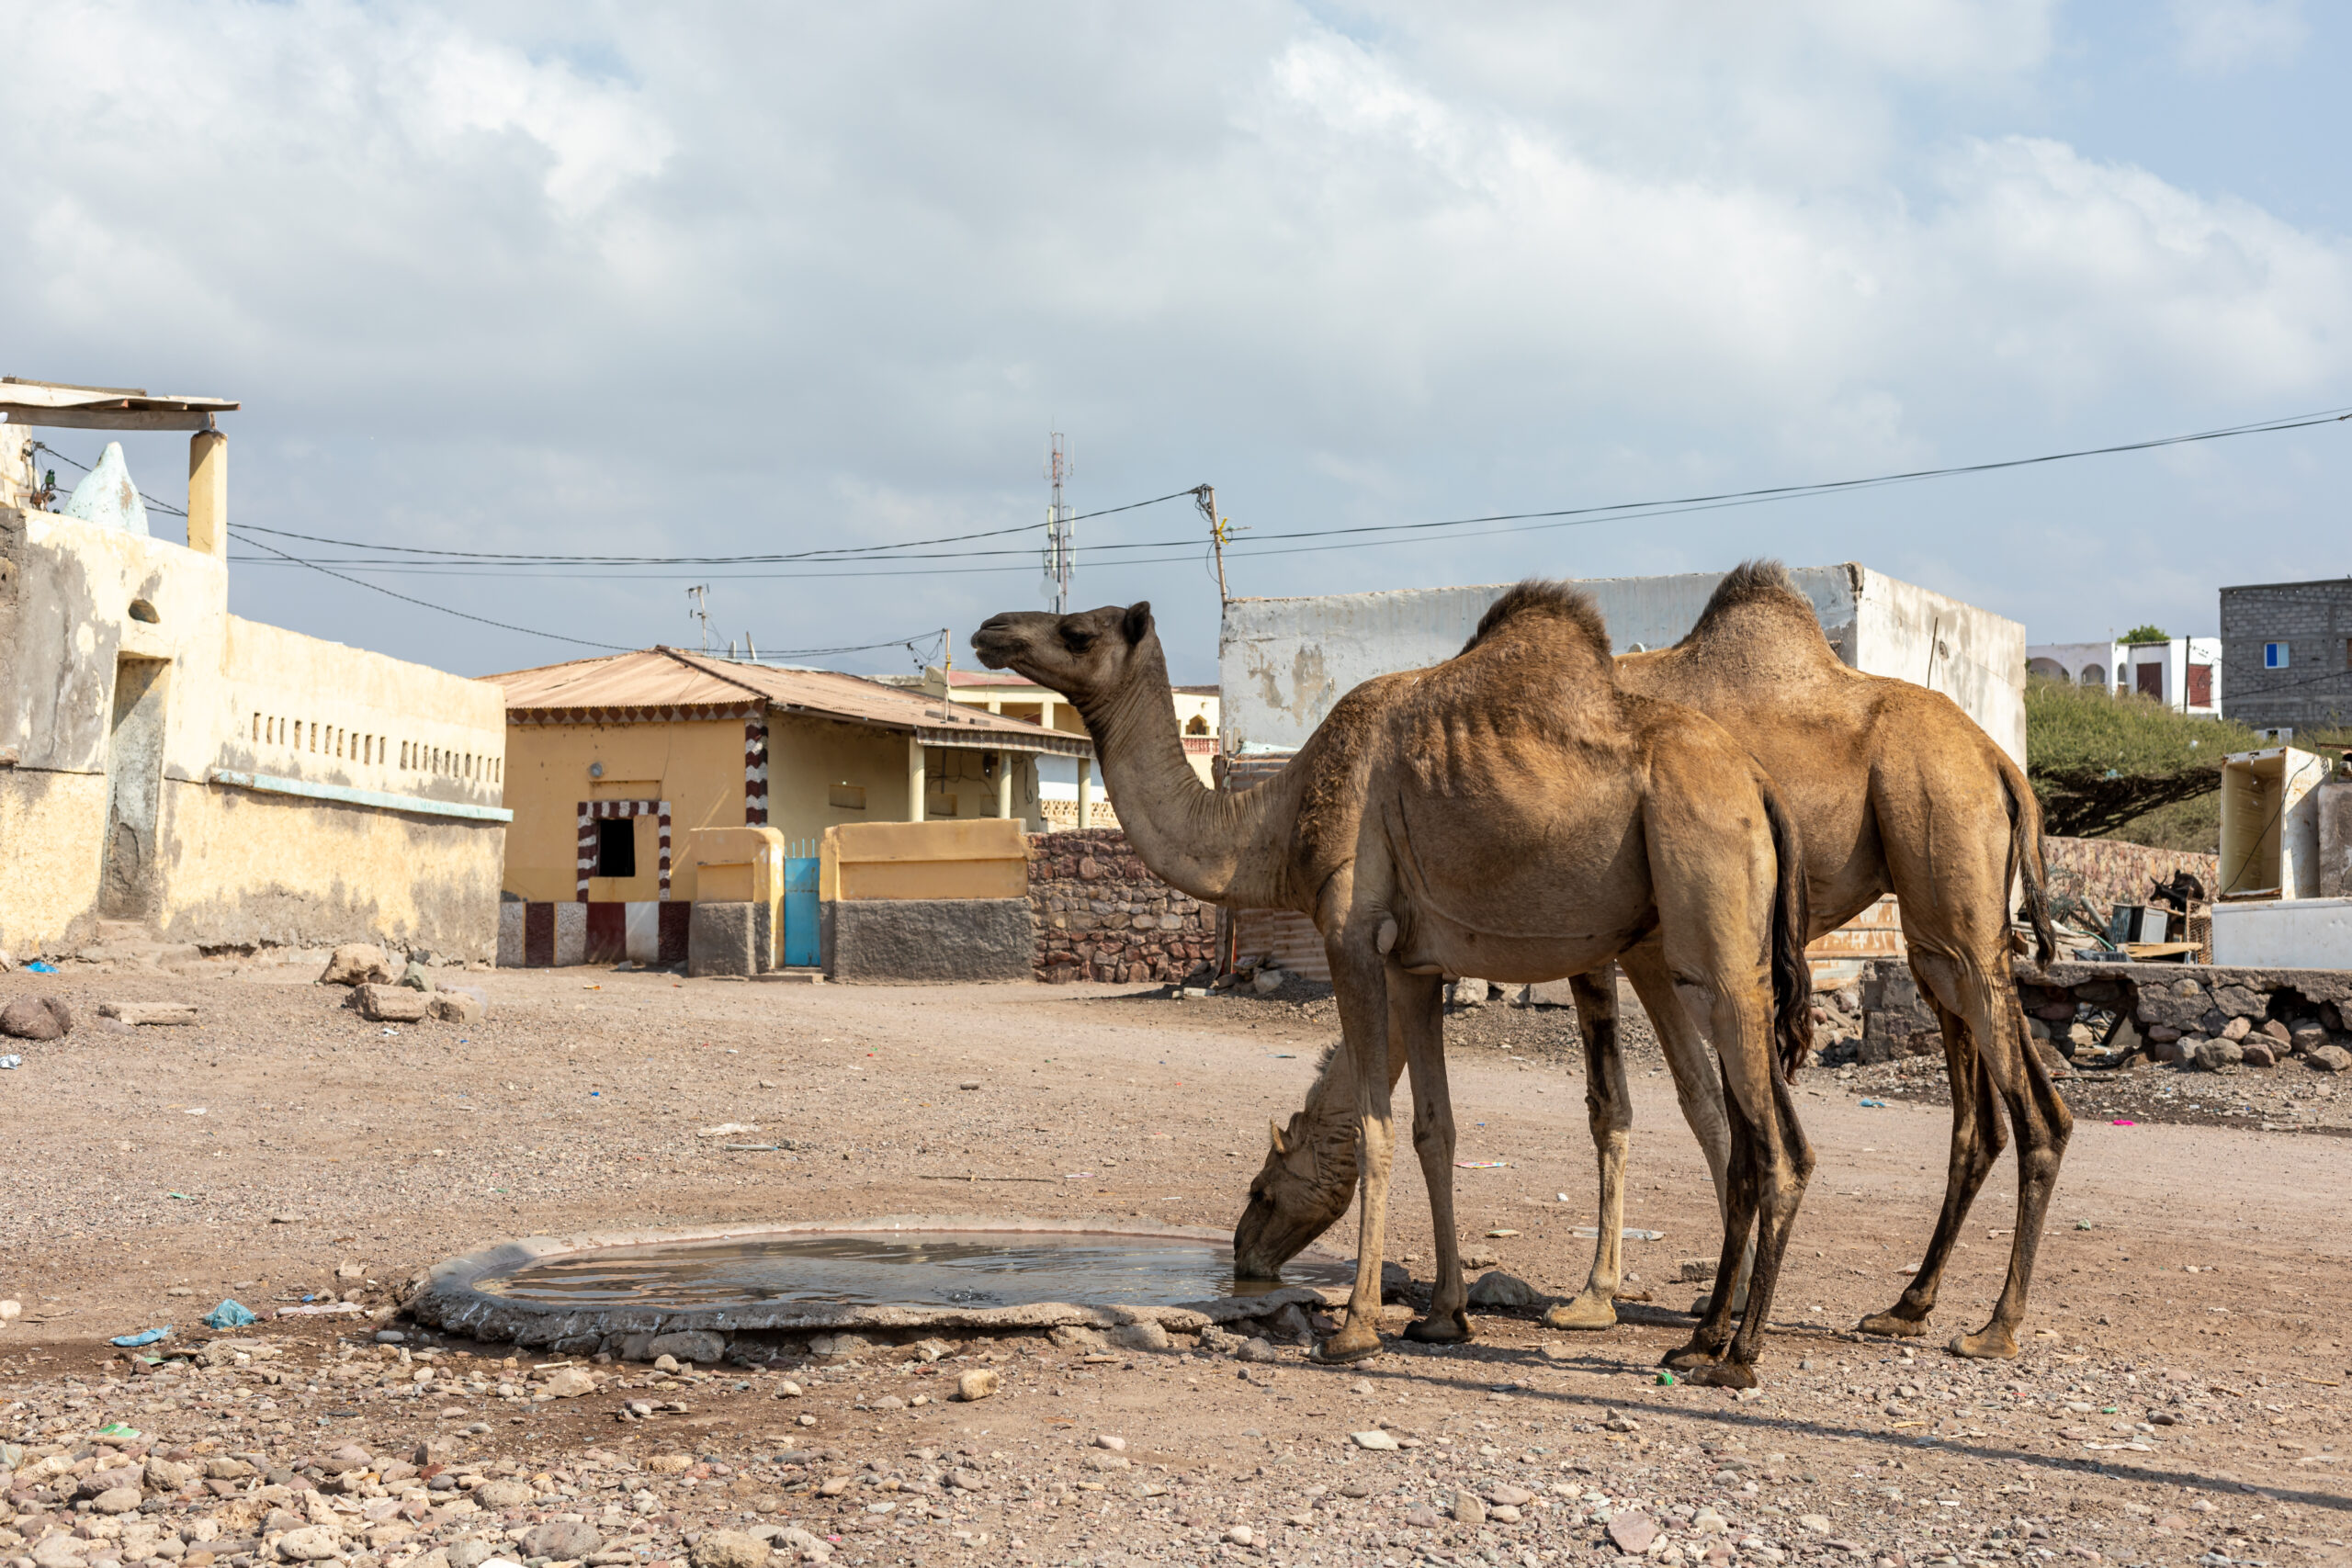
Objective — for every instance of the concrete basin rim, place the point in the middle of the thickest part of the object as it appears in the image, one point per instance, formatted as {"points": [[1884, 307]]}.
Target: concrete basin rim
{"points": [[447, 1295]]}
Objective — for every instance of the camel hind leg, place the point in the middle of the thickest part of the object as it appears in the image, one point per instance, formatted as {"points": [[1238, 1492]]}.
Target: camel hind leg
{"points": [[1611, 1111], [1976, 1144]]}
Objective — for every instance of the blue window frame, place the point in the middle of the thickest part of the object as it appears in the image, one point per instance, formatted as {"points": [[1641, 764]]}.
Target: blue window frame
{"points": [[2274, 656]]}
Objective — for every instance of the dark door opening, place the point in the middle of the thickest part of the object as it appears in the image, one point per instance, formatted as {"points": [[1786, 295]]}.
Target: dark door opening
{"points": [[134, 790], [616, 846]]}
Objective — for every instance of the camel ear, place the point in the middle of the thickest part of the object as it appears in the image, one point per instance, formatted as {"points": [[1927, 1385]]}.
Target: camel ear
{"points": [[1137, 623], [1275, 1127]]}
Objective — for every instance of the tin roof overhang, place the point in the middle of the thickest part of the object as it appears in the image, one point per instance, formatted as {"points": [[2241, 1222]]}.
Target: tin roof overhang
{"points": [[62, 406]]}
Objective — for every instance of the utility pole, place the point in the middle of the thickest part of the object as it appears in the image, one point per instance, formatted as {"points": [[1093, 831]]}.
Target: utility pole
{"points": [[1204, 497], [1061, 549], [700, 611]]}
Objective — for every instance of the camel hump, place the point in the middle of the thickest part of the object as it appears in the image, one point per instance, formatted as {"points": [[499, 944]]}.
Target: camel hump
{"points": [[1753, 594], [1540, 598]]}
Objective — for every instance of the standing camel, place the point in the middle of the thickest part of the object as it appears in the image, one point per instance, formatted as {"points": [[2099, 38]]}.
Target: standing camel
{"points": [[1894, 789], [1510, 812]]}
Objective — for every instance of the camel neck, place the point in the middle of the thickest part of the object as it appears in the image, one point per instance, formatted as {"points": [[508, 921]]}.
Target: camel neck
{"points": [[1215, 845]]}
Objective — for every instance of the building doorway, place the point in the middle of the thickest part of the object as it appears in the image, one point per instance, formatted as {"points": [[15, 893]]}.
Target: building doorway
{"points": [[134, 789]]}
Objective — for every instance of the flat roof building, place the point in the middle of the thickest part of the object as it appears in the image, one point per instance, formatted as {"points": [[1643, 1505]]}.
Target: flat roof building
{"points": [[2289, 651]]}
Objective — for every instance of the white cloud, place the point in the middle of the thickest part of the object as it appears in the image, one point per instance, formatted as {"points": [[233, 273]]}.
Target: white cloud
{"points": [[770, 277], [2218, 36]]}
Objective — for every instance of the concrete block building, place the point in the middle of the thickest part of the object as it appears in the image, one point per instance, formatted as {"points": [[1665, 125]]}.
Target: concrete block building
{"points": [[172, 773], [2289, 648]]}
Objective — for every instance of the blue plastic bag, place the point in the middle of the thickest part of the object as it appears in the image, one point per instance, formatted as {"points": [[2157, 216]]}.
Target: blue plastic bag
{"points": [[41, 966], [228, 1314], [146, 1336]]}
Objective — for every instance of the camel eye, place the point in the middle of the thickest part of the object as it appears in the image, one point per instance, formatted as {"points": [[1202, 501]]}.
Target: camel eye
{"points": [[1077, 641]]}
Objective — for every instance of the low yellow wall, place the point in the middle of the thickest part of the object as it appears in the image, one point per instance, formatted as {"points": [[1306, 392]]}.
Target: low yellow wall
{"points": [[743, 865], [987, 859], [52, 827]]}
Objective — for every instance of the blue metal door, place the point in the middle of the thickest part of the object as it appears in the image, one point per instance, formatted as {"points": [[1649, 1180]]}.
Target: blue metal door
{"points": [[802, 949]]}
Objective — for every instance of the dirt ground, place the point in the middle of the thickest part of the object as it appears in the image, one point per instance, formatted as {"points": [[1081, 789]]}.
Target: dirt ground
{"points": [[2181, 1399]]}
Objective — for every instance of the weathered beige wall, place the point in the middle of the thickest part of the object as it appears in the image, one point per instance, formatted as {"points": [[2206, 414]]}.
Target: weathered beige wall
{"points": [[249, 869], [231, 866]]}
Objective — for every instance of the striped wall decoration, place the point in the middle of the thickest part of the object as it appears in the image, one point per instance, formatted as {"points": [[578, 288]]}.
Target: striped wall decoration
{"points": [[755, 773], [592, 811]]}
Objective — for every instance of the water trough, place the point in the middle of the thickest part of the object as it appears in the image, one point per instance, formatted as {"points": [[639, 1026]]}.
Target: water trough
{"points": [[618, 1291]]}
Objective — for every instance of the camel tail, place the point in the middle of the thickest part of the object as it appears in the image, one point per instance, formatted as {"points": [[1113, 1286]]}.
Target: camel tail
{"points": [[2025, 856], [1792, 970]]}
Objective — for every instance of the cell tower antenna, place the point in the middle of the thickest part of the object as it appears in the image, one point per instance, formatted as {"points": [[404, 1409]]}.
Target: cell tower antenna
{"points": [[1061, 542], [700, 611]]}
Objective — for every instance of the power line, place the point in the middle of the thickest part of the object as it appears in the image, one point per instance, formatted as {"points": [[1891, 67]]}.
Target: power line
{"points": [[1504, 522]]}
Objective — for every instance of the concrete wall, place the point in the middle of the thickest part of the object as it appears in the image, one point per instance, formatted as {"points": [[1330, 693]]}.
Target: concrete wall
{"points": [[225, 864], [924, 860], [1283, 662]]}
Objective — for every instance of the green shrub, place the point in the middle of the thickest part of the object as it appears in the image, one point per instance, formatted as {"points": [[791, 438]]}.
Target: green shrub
{"points": [[2099, 761]]}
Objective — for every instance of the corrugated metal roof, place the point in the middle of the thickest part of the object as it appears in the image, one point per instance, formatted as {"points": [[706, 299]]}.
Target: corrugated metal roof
{"points": [[664, 683]]}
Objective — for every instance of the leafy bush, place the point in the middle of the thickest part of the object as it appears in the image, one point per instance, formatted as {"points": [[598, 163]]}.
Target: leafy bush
{"points": [[2097, 761], [2144, 633]]}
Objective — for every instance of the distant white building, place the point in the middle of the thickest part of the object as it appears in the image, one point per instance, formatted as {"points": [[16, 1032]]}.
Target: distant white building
{"points": [[2183, 672]]}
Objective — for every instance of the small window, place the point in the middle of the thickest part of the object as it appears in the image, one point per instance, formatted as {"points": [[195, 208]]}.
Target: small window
{"points": [[256, 729], [2274, 656], [846, 797], [616, 846], [1196, 726]]}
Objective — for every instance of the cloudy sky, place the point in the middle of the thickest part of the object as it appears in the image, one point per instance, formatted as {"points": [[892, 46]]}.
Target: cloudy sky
{"points": [[591, 279]]}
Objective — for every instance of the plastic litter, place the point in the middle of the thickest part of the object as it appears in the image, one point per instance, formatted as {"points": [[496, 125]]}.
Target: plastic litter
{"points": [[1873, 1105], [144, 1337], [1479, 1165], [115, 1431], [9, 1064], [1666, 1380], [230, 1315], [41, 966], [182, 1197], [2123, 1121]]}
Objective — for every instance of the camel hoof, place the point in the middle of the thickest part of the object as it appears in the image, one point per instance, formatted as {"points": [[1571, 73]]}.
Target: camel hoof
{"points": [[1894, 1326], [1689, 1357], [1724, 1374], [1454, 1328], [1346, 1346], [1588, 1312], [1992, 1344]]}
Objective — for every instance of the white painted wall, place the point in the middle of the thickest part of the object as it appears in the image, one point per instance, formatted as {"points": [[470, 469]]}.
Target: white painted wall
{"points": [[1283, 662], [2288, 933]]}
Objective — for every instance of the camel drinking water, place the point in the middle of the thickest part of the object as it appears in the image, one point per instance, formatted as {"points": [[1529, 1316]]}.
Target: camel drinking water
{"points": [[1513, 812], [1894, 789]]}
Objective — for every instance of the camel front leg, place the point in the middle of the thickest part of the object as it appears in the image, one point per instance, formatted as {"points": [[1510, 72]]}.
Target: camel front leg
{"points": [[1611, 1111], [1417, 1024], [1698, 1086], [1359, 979]]}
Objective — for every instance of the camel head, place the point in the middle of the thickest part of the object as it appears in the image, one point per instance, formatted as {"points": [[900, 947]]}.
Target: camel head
{"points": [[1088, 657], [1305, 1186]]}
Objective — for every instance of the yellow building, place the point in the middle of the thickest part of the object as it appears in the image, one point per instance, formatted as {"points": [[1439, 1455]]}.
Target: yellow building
{"points": [[170, 770], [620, 768]]}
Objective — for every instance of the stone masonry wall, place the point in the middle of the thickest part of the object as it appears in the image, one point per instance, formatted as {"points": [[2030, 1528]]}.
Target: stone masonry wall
{"points": [[1102, 916], [2090, 876]]}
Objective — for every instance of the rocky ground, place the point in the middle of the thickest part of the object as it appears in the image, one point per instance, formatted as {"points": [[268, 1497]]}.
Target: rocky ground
{"points": [[2179, 1398]]}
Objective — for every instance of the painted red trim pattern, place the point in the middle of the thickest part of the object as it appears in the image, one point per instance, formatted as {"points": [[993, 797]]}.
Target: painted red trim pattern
{"points": [[755, 771], [592, 811]]}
